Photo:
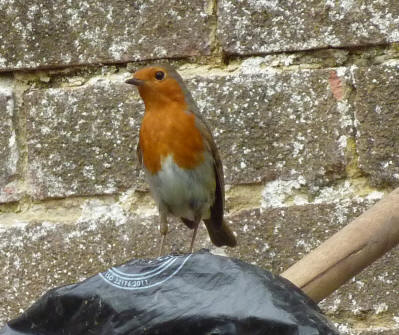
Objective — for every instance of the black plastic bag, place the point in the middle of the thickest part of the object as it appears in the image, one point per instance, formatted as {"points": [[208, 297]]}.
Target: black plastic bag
{"points": [[192, 294]]}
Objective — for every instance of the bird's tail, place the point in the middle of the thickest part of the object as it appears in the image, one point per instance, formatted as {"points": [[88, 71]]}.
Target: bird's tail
{"points": [[220, 234]]}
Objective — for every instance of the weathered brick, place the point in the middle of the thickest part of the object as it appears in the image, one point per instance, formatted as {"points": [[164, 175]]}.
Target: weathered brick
{"points": [[267, 125], [270, 124], [59, 33], [377, 122], [82, 141], [9, 154], [253, 27]]}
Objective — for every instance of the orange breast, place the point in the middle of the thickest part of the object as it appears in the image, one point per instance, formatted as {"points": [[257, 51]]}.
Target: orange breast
{"points": [[170, 131]]}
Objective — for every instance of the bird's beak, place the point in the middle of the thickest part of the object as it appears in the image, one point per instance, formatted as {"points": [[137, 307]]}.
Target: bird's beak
{"points": [[135, 81]]}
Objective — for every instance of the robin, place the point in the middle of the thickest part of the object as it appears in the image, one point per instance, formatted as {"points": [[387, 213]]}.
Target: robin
{"points": [[179, 156]]}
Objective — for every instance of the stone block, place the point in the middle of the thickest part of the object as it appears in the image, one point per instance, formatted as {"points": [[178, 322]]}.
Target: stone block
{"points": [[267, 124], [252, 27], [9, 154], [82, 141], [377, 122], [62, 33], [272, 124]]}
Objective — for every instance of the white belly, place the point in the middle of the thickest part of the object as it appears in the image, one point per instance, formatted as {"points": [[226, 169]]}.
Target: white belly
{"points": [[183, 192]]}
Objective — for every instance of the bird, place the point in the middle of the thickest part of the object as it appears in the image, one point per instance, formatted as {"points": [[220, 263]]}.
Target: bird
{"points": [[179, 156]]}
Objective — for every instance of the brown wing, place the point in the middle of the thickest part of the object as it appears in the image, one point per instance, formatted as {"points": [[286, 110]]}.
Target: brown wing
{"points": [[218, 206], [218, 230]]}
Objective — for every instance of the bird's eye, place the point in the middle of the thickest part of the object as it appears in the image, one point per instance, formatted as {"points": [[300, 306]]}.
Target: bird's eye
{"points": [[159, 75]]}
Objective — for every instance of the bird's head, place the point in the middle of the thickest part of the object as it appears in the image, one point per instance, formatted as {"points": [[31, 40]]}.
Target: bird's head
{"points": [[158, 85]]}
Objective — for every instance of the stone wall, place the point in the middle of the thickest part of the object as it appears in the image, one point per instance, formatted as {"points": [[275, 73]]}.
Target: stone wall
{"points": [[302, 99]]}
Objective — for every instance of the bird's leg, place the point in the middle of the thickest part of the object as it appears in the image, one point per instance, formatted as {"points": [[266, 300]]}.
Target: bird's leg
{"points": [[196, 222], [163, 228]]}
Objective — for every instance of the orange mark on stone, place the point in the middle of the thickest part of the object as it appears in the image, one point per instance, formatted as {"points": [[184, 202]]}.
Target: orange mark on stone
{"points": [[336, 85], [9, 190]]}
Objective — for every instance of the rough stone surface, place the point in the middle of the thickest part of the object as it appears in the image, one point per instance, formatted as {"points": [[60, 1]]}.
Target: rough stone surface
{"points": [[373, 293], [275, 238], [9, 154], [253, 27], [377, 122], [273, 124], [267, 124], [59, 33], [82, 141]]}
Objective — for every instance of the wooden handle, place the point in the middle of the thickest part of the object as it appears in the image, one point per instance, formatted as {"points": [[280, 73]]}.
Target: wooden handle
{"points": [[349, 251]]}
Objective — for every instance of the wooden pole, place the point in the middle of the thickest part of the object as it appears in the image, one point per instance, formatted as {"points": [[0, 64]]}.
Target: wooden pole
{"points": [[349, 251]]}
